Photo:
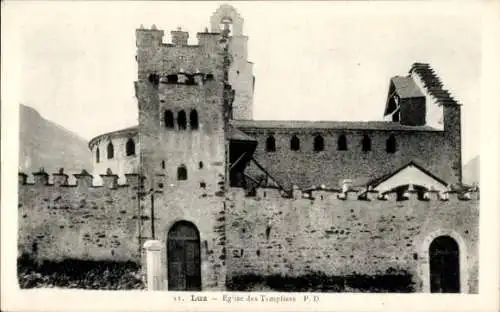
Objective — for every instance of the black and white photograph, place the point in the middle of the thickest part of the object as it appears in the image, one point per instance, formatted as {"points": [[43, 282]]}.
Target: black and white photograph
{"points": [[271, 152]]}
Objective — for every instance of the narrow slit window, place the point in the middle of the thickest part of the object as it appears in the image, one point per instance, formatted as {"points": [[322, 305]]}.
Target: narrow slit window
{"points": [[270, 144], [181, 120], [97, 155], [391, 144], [182, 173], [111, 151], [342, 143], [193, 119], [366, 143], [319, 143], [130, 147], [295, 143], [169, 119]]}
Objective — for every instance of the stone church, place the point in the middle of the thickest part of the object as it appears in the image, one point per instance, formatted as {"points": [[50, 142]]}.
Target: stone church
{"points": [[238, 202]]}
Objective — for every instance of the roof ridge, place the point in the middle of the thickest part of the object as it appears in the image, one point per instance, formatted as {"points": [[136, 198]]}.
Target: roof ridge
{"points": [[433, 83]]}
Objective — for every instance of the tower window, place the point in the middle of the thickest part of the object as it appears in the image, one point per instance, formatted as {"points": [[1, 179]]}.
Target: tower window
{"points": [[295, 143], [97, 155], [200, 165], [193, 119], [270, 144], [130, 147], [162, 164], [169, 119], [342, 143], [111, 151], [366, 143], [172, 78], [181, 173], [181, 120], [390, 144], [319, 143]]}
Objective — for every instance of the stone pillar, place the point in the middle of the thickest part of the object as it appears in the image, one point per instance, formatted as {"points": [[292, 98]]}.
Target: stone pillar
{"points": [[153, 264]]}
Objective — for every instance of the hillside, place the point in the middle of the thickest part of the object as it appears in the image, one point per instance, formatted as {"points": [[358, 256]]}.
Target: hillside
{"points": [[471, 172], [43, 143]]}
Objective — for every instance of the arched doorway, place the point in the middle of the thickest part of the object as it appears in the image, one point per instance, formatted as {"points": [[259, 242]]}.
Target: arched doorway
{"points": [[444, 265], [184, 261]]}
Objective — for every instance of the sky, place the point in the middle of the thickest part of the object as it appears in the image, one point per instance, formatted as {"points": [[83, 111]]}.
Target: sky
{"points": [[74, 61]]}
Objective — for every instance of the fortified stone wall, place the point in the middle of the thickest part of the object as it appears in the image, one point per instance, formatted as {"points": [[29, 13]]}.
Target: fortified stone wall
{"points": [[202, 204], [270, 235], [60, 221], [263, 235], [430, 149]]}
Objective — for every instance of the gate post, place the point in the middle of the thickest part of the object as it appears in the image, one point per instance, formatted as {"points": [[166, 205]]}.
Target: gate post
{"points": [[153, 264]]}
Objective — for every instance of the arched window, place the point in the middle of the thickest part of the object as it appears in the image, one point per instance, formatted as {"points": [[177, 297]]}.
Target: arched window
{"points": [[181, 120], [111, 151], [193, 119], [182, 173], [319, 143], [169, 119], [200, 165], [130, 147], [270, 144], [97, 155], [295, 143], [342, 143], [366, 143], [390, 144]]}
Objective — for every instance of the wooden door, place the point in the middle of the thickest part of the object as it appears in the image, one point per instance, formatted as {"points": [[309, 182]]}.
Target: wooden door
{"points": [[184, 261], [444, 265]]}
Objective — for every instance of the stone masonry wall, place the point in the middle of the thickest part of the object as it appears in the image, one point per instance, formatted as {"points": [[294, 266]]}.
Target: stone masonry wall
{"points": [[202, 205], [80, 221], [432, 150], [197, 199], [270, 235]]}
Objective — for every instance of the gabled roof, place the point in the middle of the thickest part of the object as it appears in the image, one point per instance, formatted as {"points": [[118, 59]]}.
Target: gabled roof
{"points": [[410, 173], [406, 87], [433, 84]]}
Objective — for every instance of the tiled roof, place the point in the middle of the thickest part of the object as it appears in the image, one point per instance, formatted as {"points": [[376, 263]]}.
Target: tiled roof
{"points": [[406, 87], [130, 131], [433, 83], [325, 125]]}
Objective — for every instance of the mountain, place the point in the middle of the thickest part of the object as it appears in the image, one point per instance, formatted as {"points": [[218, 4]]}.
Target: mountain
{"points": [[470, 172], [44, 144]]}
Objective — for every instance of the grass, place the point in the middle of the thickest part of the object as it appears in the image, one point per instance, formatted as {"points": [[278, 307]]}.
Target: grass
{"points": [[78, 274]]}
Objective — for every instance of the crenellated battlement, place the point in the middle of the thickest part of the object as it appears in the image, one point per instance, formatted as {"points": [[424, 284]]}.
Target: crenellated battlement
{"points": [[83, 179], [350, 193], [178, 38]]}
